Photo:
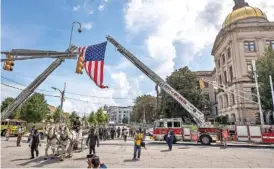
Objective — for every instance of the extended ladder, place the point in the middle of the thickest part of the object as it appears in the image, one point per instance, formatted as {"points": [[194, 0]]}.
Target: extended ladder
{"points": [[197, 115], [34, 85]]}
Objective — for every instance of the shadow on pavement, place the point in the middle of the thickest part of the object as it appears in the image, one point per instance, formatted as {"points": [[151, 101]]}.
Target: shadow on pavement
{"points": [[47, 162], [129, 160], [36, 160], [9, 146], [165, 151]]}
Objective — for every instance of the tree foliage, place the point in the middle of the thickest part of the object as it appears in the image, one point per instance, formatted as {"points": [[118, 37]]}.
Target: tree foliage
{"points": [[100, 116], [92, 118], [265, 67], [35, 108], [125, 120], [5, 103], [186, 83], [145, 104], [72, 116], [56, 114]]}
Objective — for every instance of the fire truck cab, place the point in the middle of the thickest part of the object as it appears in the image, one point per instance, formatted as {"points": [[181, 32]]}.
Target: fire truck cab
{"points": [[161, 127]]}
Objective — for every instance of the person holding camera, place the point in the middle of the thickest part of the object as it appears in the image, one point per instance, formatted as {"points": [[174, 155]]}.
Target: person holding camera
{"points": [[94, 162], [92, 140]]}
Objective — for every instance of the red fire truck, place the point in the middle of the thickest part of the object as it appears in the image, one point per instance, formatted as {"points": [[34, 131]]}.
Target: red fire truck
{"points": [[161, 127]]}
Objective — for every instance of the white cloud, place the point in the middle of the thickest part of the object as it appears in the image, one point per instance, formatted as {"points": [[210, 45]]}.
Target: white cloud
{"points": [[194, 24], [101, 7], [106, 1], [76, 8], [128, 87], [87, 25]]}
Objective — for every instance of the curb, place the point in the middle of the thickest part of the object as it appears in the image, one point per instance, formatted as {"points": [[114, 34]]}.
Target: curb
{"points": [[195, 144]]}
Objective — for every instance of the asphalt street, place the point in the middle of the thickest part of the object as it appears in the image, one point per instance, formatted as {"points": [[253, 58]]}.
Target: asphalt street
{"points": [[118, 154]]}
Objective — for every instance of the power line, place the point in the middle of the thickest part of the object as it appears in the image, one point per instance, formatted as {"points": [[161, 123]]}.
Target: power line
{"points": [[71, 93], [48, 95]]}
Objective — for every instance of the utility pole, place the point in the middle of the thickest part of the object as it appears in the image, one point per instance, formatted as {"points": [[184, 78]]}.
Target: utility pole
{"points": [[258, 92], [272, 93], [62, 100]]}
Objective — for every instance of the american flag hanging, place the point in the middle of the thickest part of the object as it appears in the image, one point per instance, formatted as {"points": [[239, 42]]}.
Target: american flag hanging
{"points": [[94, 62]]}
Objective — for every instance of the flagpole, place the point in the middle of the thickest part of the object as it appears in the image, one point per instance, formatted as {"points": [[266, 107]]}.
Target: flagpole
{"points": [[272, 94]]}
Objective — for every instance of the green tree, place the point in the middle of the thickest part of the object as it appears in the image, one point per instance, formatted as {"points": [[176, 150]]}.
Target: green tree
{"points": [[145, 104], [4, 105], [106, 117], [35, 108], [186, 83], [72, 117], [125, 120], [100, 116], [56, 114], [265, 67], [92, 118]]}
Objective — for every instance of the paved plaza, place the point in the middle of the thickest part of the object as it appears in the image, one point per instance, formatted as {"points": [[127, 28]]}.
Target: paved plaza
{"points": [[117, 154]]}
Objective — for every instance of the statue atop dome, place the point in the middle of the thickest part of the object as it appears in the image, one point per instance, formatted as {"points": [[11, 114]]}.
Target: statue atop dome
{"points": [[239, 4]]}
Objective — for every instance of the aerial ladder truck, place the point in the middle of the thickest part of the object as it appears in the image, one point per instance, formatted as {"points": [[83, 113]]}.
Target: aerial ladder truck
{"points": [[207, 133]]}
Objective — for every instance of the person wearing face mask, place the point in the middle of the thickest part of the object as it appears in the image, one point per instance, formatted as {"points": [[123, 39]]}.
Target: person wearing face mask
{"points": [[92, 140]]}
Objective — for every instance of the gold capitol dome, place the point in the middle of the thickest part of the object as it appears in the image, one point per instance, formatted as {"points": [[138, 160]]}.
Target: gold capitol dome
{"points": [[241, 11]]}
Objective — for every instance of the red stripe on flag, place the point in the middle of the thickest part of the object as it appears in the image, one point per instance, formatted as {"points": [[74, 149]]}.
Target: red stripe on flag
{"points": [[102, 72], [96, 71]]}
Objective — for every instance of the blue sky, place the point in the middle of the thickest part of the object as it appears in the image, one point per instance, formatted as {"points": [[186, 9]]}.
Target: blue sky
{"points": [[165, 35]]}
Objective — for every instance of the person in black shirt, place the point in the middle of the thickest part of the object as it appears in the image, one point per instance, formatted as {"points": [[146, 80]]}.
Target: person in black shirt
{"points": [[35, 141], [112, 133], [118, 132], [91, 141], [100, 133]]}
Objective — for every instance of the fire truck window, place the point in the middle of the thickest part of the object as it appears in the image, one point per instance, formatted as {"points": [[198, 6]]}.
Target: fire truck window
{"points": [[161, 124], [177, 124], [169, 124]]}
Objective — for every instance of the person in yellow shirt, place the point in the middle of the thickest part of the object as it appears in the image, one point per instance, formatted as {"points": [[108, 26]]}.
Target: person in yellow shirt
{"points": [[138, 139]]}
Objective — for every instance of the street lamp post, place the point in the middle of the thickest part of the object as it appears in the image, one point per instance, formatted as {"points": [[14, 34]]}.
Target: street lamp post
{"points": [[62, 100], [79, 30]]}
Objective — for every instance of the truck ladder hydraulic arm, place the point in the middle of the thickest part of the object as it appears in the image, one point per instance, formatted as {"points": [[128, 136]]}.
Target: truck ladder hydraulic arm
{"points": [[197, 115], [30, 89]]}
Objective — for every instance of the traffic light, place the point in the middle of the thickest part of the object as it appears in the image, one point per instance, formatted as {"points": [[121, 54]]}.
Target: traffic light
{"points": [[202, 84], [80, 64], [8, 64]]}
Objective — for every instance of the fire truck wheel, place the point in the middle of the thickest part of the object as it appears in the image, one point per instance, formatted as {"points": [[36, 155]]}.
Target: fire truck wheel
{"points": [[205, 140]]}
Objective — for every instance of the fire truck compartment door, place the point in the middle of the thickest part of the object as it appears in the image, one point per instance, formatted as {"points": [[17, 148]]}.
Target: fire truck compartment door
{"points": [[255, 134], [242, 133], [187, 134]]}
